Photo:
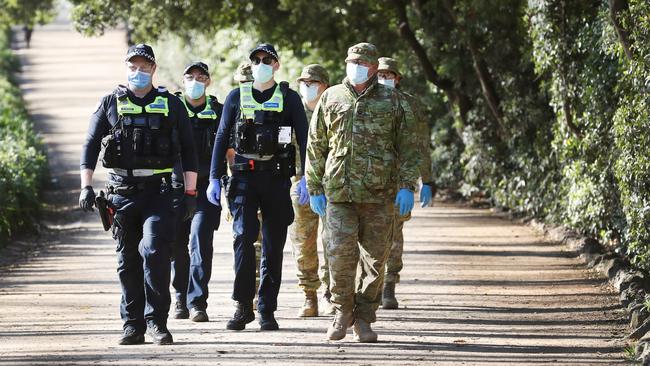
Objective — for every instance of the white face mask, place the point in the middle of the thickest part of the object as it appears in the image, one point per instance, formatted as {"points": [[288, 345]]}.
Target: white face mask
{"points": [[357, 74], [309, 93], [387, 82], [262, 73]]}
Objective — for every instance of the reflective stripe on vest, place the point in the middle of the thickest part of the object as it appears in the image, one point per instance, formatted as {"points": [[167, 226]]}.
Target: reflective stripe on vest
{"points": [[206, 113], [249, 105], [160, 105], [138, 172]]}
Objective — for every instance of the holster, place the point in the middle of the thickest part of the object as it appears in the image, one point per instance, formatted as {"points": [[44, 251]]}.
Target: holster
{"points": [[106, 211]]}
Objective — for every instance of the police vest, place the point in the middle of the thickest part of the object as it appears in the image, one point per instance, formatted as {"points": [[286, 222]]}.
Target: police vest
{"points": [[144, 141], [204, 125], [258, 128]]}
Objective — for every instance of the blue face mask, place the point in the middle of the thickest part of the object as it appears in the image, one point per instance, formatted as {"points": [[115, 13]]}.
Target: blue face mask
{"points": [[262, 73], [357, 74], [138, 79], [194, 89]]}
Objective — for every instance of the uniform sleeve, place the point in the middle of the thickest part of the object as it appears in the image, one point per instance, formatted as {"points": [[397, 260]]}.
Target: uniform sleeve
{"points": [[222, 140], [424, 135], [98, 127], [189, 161], [317, 149], [407, 152], [300, 124]]}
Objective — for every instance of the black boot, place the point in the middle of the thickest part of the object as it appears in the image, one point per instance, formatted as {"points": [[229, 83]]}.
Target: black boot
{"points": [[159, 333], [243, 315], [131, 336], [268, 322], [180, 310]]}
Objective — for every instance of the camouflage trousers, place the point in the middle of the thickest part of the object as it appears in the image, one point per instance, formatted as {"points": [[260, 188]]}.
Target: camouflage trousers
{"points": [[360, 235], [304, 237], [394, 263]]}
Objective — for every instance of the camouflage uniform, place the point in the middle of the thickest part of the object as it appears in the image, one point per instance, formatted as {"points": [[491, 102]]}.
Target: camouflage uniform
{"points": [[394, 263], [359, 154], [304, 230]]}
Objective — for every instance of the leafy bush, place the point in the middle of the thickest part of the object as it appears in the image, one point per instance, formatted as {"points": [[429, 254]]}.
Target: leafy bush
{"points": [[22, 161]]}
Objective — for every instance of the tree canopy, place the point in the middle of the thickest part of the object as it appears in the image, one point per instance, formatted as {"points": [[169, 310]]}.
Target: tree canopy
{"points": [[540, 104]]}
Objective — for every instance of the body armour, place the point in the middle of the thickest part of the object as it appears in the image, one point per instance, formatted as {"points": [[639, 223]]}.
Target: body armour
{"points": [[144, 141], [260, 134], [204, 126]]}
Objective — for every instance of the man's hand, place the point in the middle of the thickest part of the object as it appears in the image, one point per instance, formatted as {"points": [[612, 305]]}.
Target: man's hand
{"points": [[318, 204], [214, 192], [404, 201], [87, 199], [426, 194], [301, 190], [189, 206]]}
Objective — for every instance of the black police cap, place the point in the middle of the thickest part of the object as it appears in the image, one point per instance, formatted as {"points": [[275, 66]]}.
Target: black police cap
{"points": [[197, 64], [143, 50], [266, 47]]}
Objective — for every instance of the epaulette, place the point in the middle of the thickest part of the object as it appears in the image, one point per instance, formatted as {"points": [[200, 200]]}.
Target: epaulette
{"points": [[284, 87], [120, 92]]}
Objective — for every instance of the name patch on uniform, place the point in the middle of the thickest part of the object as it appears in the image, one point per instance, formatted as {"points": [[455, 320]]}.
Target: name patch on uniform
{"points": [[284, 135], [271, 105]]}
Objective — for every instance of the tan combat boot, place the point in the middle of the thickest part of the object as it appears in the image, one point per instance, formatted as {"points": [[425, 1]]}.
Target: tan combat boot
{"points": [[310, 307], [326, 306], [388, 300], [363, 333], [340, 325]]}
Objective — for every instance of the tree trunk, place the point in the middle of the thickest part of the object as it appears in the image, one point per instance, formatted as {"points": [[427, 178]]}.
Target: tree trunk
{"points": [[616, 7], [455, 97], [481, 69]]}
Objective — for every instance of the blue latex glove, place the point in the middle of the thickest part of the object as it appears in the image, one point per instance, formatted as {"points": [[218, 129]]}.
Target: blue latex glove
{"points": [[404, 201], [214, 192], [318, 204], [301, 189], [426, 194]]}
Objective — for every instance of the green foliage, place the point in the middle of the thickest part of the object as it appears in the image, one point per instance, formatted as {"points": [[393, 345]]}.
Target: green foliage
{"points": [[25, 12], [22, 161], [632, 136], [543, 105]]}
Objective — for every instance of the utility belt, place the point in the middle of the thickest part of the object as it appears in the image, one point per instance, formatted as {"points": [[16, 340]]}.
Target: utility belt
{"points": [[127, 189], [282, 163]]}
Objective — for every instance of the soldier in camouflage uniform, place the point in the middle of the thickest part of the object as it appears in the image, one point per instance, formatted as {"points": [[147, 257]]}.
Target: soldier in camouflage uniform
{"points": [[389, 75], [244, 74], [360, 165], [313, 81]]}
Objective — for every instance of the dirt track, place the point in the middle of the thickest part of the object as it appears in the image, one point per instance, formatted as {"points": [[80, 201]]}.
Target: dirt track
{"points": [[476, 289]]}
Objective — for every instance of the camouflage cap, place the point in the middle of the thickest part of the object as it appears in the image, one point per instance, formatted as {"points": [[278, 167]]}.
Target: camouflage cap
{"points": [[243, 73], [314, 72], [389, 64], [362, 51]]}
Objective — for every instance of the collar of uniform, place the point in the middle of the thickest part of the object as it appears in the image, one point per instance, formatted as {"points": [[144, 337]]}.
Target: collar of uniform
{"points": [[371, 86], [147, 99], [264, 95]]}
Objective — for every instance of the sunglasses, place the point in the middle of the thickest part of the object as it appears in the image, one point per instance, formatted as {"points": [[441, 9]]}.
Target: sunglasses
{"points": [[266, 60]]}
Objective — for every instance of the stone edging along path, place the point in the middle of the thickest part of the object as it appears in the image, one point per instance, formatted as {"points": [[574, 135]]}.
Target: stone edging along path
{"points": [[632, 285]]}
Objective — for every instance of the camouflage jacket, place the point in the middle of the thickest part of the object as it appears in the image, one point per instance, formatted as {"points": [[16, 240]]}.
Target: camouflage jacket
{"points": [[299, 171], [359, 147], [423, 136]]}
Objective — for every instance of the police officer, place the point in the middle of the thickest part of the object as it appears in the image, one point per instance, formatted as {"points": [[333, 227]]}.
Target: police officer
{"points": [[389, 75], [361, 164], [312, 82], [140, 131], [244, 75], [191, 273], [264, 115]]}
